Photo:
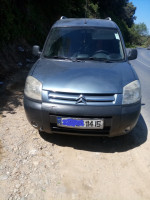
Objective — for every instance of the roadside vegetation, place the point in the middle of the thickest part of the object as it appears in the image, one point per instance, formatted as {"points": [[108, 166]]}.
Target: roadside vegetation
{"points": [[31, 19], [27, 22]]}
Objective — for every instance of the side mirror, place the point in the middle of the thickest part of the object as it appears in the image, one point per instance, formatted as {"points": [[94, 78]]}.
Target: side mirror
{"points": [[36, 50], [132, 54]]}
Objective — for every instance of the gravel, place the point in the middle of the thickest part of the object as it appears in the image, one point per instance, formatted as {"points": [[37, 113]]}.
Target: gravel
{"points": [[26, 160], [42, 167]]}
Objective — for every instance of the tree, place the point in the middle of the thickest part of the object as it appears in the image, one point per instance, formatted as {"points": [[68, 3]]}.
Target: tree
{"points": [[141, 29], [32, 19], [128, 14]]}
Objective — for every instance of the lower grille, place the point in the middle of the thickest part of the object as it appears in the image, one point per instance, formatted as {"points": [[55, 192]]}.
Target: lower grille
{"points": [[105, 131]]}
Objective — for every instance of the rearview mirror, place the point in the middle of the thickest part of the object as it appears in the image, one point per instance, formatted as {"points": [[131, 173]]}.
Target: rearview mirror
{"points": [[36, 50], [132, 54]]}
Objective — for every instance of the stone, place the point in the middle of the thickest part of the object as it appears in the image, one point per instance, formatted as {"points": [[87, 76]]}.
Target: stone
{"points": [[33, 152], [3, 177], [18, 186]]}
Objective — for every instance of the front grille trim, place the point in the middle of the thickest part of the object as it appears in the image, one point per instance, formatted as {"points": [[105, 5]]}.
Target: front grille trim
{"points": [[91, 99]]}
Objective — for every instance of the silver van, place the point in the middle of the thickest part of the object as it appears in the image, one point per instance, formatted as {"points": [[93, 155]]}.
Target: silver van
{"points": [[83, 82]]}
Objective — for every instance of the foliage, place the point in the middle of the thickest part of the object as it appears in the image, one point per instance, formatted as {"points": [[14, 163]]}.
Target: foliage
{"points": [[138, 34], [128, 14], [141, 29], [121, 9], [93, 10], [32, 19]]}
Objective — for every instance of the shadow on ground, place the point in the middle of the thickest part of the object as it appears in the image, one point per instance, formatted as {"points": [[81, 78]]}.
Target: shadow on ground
{"points": [[102, 144], [12, 93]]}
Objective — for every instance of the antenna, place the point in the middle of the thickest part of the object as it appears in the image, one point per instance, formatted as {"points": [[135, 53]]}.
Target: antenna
{"points": [[86, 11]]}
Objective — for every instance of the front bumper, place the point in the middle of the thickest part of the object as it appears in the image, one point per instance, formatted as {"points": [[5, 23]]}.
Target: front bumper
{"points": [[118, 120]]}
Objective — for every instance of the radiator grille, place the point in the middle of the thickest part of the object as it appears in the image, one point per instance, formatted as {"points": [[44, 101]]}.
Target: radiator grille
{"points": [[81, 99]]}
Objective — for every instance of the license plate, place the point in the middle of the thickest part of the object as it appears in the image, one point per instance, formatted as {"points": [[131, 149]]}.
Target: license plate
{"points": [[80, 123]]}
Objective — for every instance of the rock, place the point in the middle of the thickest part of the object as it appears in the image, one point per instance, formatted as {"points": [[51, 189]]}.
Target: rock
{"points": [[1, 167], [31, 191], [24, 161], [15, 190], [17, 197], [7, 173], [10, 198], [22, 198], [14, 171], [35, 163], [15, 149], [47, 153], [18, 186], [33, 152], [3, 177]]}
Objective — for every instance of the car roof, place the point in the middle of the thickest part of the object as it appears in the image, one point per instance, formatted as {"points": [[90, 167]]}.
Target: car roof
{"points": [[77, 22]]}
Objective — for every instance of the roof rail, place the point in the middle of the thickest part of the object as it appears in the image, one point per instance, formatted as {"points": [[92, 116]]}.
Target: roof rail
{"points": [[63, 17], [108, 18]]}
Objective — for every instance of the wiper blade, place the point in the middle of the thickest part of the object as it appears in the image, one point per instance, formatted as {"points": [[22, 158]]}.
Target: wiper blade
{"points": [[65, 58], [60, 57], [101, 59], [78, 59]]}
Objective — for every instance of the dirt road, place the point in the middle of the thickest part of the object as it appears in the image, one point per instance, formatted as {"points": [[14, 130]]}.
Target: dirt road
{"points": [[59, 167]]}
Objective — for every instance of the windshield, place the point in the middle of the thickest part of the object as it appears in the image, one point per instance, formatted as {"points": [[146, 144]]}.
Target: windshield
{"points": [[84, 43]]}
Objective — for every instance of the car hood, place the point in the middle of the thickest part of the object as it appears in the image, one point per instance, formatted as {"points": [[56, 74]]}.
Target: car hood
{"points": [[83, 77]]}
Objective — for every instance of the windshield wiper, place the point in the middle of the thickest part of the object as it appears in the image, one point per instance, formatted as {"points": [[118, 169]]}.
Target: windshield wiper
{"points": [[59, 57], [101, 59], [90, 58], [75, 59], [65, 58], [105, 60]]}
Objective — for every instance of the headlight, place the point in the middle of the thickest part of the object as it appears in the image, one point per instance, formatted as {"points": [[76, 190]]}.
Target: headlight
{"points": [[131, 92], [33, 88]]}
